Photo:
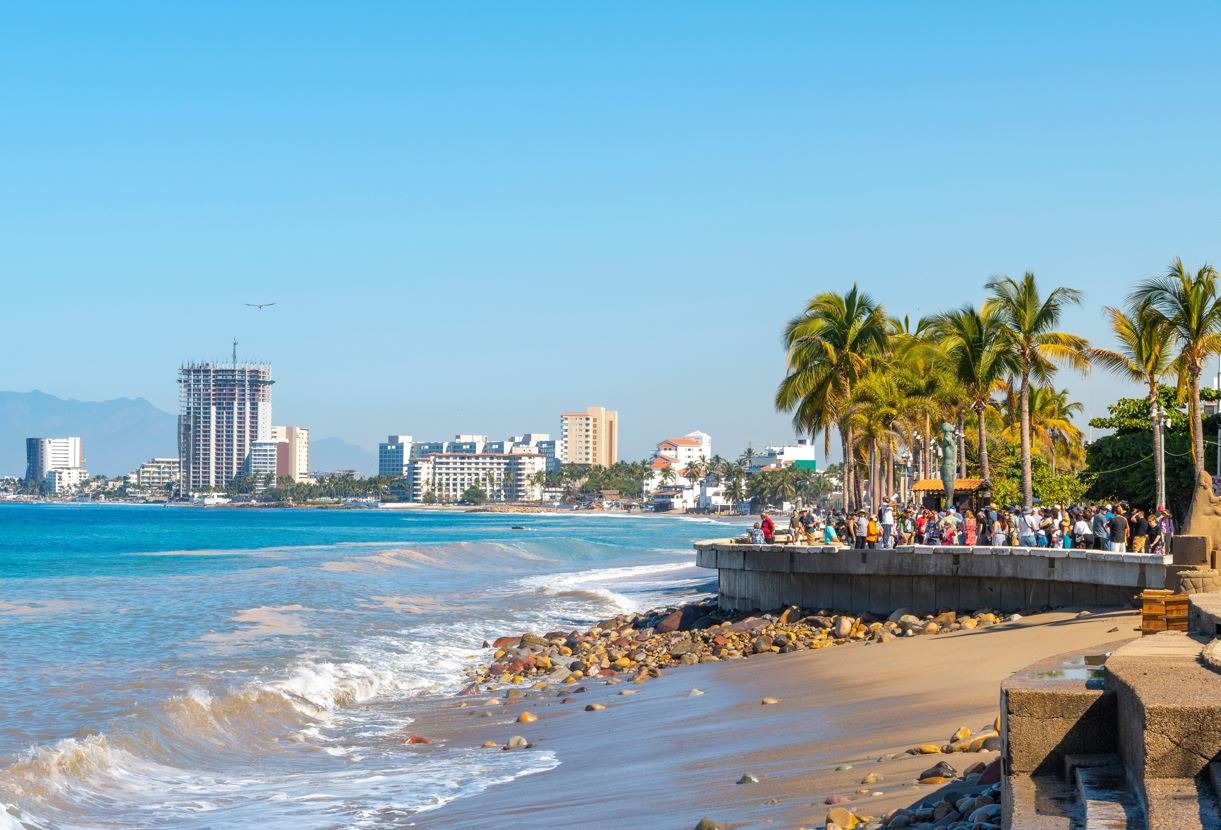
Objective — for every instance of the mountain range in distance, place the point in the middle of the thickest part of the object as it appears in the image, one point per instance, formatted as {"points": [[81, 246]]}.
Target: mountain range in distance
{"points": [[119, 435]]}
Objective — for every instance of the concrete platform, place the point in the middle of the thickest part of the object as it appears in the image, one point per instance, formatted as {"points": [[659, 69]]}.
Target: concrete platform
{"points": [[924, 578]]}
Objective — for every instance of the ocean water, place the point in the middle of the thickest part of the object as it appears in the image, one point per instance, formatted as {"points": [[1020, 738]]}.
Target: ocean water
{"points": [[189, 668]]}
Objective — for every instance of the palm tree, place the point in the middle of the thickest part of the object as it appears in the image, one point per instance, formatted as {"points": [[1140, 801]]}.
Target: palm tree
{"points": [[734, 490], [1144, 356], [1027, 328], [979, 361], [1190, 306], [829, 349]]}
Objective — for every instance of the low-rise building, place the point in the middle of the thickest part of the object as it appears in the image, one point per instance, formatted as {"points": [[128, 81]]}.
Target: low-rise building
{"points": [[157, 475], [64, 480], [502, 476]]}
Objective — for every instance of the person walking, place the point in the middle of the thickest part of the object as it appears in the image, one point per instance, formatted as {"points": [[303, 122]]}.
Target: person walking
{"points": [[968, 529]]}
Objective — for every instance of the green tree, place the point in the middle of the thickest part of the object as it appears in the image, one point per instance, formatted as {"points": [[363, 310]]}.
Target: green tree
{"points": [[1189, 304], [980, 362], [829, 348], [474, 494], [1027, 328], [1144, 355]]}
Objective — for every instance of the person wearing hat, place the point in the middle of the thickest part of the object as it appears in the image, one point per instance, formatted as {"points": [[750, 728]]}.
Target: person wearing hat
{"points": [[860, 528]]}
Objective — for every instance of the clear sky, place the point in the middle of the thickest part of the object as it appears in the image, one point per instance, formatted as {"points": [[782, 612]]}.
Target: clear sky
{"points": [[473, 216]]}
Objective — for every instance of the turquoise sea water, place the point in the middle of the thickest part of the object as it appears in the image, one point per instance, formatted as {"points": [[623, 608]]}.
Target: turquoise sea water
{"points": [[179, 667]]}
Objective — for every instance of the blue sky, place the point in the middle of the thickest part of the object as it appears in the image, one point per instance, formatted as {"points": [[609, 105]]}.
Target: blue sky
{"points": [[475, 216]]}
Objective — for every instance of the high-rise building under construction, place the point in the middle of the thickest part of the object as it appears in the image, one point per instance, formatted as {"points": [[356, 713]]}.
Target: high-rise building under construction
{"points": [[223, 409]]}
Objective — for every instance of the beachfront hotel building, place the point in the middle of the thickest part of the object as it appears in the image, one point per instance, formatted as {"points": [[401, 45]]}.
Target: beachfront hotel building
{"points": [[393, 456], [503, 476], [42, 455], [63, 480], [157, 475], [223, 410], [292, 453], [590, 437]]}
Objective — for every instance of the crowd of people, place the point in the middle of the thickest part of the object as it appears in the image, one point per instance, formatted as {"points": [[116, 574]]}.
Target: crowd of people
{"points": [[1117, 528]]}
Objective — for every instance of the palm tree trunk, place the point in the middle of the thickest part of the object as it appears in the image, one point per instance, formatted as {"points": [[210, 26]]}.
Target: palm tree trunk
{"points": [[983, 444], [845, 440], [875, 485], [1027, 484], [1197, 422], [1158, 473], [890, 470], [962, 444], [926, 463]]}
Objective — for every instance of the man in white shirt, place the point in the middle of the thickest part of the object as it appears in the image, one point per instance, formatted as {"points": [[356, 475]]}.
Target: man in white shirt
{"points": [[888, 525]]}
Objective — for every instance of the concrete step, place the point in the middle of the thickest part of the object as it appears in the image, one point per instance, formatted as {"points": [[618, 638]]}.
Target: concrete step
{"points": [[1181, 804], [1107, 802], [1038, 802]]}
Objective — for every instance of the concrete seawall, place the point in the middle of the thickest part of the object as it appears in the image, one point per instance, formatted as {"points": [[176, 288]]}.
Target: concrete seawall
{"points": [[923, 578]]}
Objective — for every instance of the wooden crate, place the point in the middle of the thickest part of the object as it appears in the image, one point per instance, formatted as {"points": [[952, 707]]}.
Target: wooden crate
{"points": [[1162, 610]]}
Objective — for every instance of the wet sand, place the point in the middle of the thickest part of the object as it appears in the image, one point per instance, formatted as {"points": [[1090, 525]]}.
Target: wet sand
{"points": [[661, 759]]}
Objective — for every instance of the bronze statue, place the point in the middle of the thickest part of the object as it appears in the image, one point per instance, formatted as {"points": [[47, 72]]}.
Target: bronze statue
{"points": [[949, 461]]}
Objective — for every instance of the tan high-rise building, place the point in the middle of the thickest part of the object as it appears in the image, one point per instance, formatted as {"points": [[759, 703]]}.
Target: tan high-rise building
{"points": [[591, 437], [292, 452]]}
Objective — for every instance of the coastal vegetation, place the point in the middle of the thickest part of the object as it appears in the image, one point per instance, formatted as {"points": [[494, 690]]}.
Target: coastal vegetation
{"points": [[883, 385]]}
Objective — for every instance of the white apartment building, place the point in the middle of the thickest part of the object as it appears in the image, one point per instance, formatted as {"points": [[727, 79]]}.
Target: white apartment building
{"points": [[590, 437], [64, 480], [694, 446], [292, 453], [503, 476], [803, 454], [223, 409], [155, 475], [394, 456], [262, 463], [42, 455]]}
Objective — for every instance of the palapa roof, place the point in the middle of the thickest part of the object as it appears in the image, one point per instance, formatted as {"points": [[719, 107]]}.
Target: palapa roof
{"points": [[934, 485]]}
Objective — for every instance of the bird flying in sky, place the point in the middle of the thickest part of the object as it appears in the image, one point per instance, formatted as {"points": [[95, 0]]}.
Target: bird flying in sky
{"points": [[259, 305]]}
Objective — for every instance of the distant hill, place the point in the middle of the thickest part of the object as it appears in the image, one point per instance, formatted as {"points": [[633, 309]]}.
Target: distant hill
{"points": [[121, 434], [117, 435], [326, 454]]}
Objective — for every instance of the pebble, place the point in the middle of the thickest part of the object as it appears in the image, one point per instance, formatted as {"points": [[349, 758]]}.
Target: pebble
{"points": [[527, 717], [695, 693], [595, 707], [417, 739], [709, 824], [748, 779], [517, 742], [638, 646], [768, 701], [490, 744]]}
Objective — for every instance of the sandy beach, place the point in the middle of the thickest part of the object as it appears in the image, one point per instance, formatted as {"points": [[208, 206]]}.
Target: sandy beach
{"points": [[658, 757]]}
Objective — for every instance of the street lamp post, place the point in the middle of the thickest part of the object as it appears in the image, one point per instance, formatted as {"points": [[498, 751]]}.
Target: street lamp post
{"points": [[1160, 418]]}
